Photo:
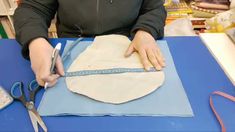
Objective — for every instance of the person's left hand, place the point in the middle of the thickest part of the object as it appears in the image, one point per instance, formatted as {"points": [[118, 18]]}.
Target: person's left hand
{"points": [[149, 52]]}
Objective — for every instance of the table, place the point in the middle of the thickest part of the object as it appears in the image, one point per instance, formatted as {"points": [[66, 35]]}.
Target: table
{"points": [[199, 72]]}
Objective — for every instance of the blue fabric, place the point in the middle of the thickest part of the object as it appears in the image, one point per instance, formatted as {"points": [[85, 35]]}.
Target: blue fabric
{"points": [[169, 100]]}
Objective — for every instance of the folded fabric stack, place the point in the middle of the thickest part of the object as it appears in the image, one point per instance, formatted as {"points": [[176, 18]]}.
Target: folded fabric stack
{"points": [[209, 8], [221, 22], [177, 10]]}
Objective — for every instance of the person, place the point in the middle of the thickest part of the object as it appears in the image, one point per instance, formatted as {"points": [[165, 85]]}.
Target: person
{"points": [[142, 20]]}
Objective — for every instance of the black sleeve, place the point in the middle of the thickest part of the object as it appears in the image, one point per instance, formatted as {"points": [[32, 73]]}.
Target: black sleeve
{"points": [[151, 18], [31, 20]]}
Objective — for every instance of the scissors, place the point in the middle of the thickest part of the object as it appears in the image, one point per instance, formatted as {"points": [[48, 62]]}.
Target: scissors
{"points": [[17, 92]]}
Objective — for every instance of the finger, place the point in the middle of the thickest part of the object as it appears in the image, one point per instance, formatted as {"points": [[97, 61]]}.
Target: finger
{"points": [[153, 59], [159, 58], [130, 50], [144, 59], [159, 53], [59, 66], [50, 78], [51, 84], [44, 70], [40, 81]]}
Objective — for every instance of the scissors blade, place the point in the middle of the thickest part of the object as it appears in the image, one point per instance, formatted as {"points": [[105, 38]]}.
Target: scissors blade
{"points": [[34, 122], [38, 119]]}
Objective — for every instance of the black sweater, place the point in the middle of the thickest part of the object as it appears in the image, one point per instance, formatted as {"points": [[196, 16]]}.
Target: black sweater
{"points": [[87, 18]]}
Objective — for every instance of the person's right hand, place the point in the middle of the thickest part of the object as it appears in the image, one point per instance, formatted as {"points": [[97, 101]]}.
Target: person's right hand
{"points": [[40, 52]]}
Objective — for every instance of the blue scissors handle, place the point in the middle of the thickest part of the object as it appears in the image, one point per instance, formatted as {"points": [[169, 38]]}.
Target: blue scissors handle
{"points": [[33, 89], [17, 92]]}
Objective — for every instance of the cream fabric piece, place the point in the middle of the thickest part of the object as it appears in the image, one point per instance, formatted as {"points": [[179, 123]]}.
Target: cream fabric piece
{"points": [[107, 52]]}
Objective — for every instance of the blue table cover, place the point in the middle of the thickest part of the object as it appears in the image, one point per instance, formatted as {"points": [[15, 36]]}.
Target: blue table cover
{"points": [[199, 72]]}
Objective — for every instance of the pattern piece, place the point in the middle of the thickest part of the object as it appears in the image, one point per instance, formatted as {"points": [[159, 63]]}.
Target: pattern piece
{"points": [[107, 52]]}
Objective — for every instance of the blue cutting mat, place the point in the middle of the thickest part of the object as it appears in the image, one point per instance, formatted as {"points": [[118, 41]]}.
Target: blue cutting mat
{"points": [[169, 100]]}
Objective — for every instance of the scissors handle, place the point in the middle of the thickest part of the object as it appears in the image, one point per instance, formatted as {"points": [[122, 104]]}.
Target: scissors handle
{"points": [[33, 89], [17, 92]]}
